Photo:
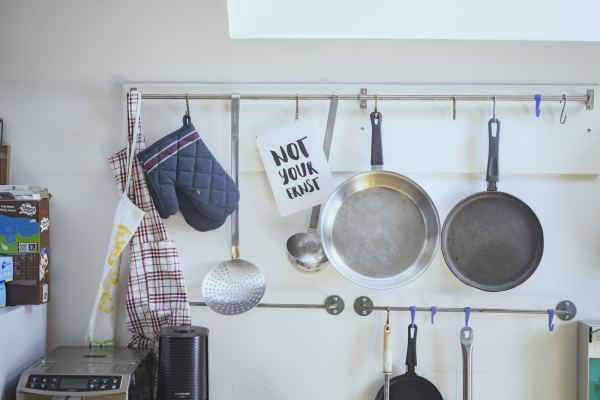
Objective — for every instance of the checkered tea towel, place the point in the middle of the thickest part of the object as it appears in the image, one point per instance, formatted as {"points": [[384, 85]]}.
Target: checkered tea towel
{"points": [[156, 293]]}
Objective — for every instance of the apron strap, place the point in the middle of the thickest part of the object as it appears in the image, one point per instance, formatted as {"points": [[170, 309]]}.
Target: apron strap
{"points": [[134, 107]]}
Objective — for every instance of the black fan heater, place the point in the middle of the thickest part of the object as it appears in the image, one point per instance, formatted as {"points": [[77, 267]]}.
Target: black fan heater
{"points": [[183, 363]]}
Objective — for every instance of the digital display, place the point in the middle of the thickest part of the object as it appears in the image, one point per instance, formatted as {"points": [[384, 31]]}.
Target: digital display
{"points": [[73, 383]]}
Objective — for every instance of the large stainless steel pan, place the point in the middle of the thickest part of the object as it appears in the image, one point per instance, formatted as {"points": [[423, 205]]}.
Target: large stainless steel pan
{"points": [[379, 228], [492, 240]]}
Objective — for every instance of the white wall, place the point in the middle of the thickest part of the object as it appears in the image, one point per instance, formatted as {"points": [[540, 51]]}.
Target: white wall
{"points": [[22, 342], [394, 19], [62, 64]]}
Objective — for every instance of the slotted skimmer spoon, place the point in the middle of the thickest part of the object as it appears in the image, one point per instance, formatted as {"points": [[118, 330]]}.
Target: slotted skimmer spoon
{"points": [[235, 286], [305, 249]]}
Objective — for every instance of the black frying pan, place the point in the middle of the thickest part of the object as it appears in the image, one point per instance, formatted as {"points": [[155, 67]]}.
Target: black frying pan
{"points": [[492, 240], [411, 386]]}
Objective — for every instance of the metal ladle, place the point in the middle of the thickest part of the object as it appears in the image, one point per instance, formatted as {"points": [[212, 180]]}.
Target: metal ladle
{"points": [[235, 286], [305, 249]]}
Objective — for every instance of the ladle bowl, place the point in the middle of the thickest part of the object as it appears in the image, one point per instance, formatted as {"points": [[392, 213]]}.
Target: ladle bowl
{"points": [[305, 252]]}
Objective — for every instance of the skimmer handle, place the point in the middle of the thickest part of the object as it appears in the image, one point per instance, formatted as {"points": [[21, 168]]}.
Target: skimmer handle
{"points": [[235, 150]]}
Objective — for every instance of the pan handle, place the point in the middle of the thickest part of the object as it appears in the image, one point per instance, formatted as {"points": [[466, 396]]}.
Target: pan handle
{"points": [[376, 145], [493, 175], [411, 350]]}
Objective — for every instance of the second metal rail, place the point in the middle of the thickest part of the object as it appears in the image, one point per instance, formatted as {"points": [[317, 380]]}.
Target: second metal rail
{"points": [[564, 310], [363, 306]]}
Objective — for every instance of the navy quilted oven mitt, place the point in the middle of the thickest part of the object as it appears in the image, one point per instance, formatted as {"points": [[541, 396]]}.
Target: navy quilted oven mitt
{"points": [[183, 174]]}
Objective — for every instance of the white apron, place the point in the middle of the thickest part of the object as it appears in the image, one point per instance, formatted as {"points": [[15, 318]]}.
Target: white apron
{"points": [[101, 329]]}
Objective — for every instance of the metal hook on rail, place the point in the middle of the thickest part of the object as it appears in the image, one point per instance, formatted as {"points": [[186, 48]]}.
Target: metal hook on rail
{"points": [[538, 102], [563, 115], [551, 313], [186, 118], [376, 100], [494, 108], [467, 315], [297, 113], [453, 108]]}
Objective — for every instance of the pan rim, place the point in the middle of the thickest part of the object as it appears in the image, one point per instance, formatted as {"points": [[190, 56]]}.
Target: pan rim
{"points": [[451, 265], [429, 247]]}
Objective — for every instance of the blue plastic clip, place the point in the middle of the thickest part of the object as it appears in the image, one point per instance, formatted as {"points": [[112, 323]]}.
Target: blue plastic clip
{"points": [[538, 101], [467, 315], [551, 313], [413, 311], [433, 312]]}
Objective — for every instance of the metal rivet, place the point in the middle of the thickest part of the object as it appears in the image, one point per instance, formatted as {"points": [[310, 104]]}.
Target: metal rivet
{"points": [[364, 299], [364, 312], [335, 311]]}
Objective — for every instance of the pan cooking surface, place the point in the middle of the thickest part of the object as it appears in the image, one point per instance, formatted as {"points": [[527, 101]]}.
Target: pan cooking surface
{"points": [[379, 232], [492, 241], [407, 387]]}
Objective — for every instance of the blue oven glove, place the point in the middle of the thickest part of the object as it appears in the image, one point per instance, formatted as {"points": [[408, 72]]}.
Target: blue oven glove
{"points": [[183, 174]]}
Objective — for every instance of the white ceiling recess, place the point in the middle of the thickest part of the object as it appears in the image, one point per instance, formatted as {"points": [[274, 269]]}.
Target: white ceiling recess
{"points": [[534, 20]]}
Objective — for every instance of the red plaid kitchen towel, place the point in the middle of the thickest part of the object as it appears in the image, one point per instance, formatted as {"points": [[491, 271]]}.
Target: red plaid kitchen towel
{"points": [[156, 293]]}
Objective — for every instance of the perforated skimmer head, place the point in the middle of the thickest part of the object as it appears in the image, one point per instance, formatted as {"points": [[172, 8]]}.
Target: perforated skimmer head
{"points": [[233, 287]]}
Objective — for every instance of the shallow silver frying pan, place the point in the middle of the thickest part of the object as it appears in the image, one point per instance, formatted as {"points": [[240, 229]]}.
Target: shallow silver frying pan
{"points": [[379, 228]]}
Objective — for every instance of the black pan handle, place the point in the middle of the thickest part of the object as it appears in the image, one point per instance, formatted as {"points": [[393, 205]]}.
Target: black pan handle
{"points": [[411, 350], [376, 145], [493, 174]]}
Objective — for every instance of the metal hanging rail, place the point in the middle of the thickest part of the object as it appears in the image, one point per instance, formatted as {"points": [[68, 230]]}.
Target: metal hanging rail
{"points": [[565, 310], [363, 97], [333, 304]]}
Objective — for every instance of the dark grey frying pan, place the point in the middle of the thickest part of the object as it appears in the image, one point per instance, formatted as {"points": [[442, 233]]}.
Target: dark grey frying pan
{"points": [[411, 386], [492, 240]]}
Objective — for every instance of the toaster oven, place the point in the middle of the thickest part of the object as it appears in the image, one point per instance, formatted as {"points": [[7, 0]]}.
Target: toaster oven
{"points": [[81, 373]]}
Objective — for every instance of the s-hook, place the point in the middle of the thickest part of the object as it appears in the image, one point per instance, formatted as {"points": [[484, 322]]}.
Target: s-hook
{"points": [[187, 105], [563, 115], [453, 108], [494, 107], [467, 316], [433, 312], [551, 313], [538, 101], [297, 113], [376, 100]]}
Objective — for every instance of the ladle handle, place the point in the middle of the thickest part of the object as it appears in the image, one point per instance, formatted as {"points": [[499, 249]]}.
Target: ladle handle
{"points": [[314, 218], [333, 106], [235, 149]]}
